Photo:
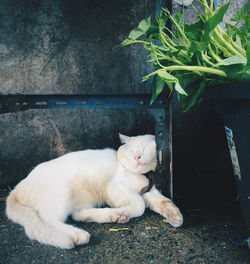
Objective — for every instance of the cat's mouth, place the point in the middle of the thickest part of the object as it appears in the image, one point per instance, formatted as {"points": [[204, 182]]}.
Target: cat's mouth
{"points": [[140, 164]]}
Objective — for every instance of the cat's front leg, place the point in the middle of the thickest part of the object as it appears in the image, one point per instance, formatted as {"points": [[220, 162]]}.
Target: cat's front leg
{"points": [[163, 206]]}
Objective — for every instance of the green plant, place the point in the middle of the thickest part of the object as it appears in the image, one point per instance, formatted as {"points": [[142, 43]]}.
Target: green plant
{"points": [[190, 57]]}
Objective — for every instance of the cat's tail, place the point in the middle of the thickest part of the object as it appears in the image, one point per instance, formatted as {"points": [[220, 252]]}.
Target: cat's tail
{"points": [[34, 227]]}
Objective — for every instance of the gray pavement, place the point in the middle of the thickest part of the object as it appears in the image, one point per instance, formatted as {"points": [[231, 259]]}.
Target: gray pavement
{"points": [[214, 235]]}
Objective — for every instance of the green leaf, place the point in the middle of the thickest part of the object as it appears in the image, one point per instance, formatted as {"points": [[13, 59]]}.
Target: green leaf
{"points": [[152, 53], [186, 78], [238, 40], [140, 30], [213, 21], [195, 92], [248, 55], [245, 74], [235, 71], [152, 32], [179, 89], [237, 59], [240, 13], [157, 88], [197, 58], [246, 20], [194, 31], [197, 46], [232, 30], [168, 78]]}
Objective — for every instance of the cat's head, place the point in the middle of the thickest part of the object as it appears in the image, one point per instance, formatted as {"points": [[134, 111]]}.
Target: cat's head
{"points": [[138, 154]]}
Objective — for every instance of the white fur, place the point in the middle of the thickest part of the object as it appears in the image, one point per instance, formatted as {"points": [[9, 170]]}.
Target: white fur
{"points": [[78, 183]]}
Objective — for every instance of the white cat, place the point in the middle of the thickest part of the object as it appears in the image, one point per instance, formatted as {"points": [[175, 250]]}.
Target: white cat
{"points": [[78, 183]]}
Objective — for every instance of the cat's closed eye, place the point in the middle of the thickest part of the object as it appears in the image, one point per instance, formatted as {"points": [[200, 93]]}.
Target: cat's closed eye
{"points": [[138, 157]]}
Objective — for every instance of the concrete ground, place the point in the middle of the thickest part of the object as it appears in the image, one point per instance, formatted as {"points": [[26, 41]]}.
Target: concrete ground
{"points": [[214, 235]]}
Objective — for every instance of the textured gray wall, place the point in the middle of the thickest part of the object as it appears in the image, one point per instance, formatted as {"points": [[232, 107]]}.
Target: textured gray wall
{"points": [[67, 46]]}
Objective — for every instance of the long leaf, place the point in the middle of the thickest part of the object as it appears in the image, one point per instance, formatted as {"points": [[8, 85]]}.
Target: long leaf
{"points": [[231, 29], [248, 55], [195, 92], [169, 78], [197, 59], [137, 32], [165, 76], [237, 59], [158, 85], [140, 30], [235, 72], [179, 89], [197, 46], [213, 21], [194, 31]]}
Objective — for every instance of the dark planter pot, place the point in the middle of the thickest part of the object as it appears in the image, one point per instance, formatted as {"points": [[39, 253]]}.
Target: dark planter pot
{"points": [[232, 102]]}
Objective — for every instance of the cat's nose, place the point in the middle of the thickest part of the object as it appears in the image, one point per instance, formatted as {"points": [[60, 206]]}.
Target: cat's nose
{"points": [[137, 157]]}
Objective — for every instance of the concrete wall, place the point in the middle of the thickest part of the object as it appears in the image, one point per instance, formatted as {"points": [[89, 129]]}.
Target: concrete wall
{"points": [[62, 46]]}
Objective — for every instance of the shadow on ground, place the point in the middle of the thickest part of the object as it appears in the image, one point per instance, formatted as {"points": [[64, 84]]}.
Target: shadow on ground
{"points": [[214, 235]]}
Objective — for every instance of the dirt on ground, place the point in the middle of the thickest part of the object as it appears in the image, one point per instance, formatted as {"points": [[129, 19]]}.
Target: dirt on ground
{"points": [[208, 236]]}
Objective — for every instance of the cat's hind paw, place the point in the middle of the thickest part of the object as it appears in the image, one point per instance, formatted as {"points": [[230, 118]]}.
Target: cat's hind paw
{"points": [[79, 236], [172, 213], [119, 218]]}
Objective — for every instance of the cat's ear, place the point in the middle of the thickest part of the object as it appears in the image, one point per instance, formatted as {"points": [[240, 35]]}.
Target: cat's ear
{"points": [[124, 139]]}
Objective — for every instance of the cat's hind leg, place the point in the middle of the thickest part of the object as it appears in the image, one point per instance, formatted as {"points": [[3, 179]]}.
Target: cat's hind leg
{"points": [[55, 215], [41, 225], [77, 235], [163, 206]]}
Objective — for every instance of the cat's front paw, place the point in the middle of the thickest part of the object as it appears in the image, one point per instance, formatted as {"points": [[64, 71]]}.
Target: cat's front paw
{"points": [[172, 213]]}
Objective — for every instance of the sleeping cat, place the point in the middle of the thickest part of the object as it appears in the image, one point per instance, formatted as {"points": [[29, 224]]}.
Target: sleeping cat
{"points": [[78, 183]]}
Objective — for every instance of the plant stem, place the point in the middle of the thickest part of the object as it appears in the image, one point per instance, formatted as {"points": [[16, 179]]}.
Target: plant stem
{"points": [[237, 47], [198, 13], [211, 4], [196, 68], [206, 59], [207, 11], [217, 58], [148, 44], [222, 48], [166, 43], [168, 38], [139, 41], [190, 68], [177, 25], [220, 39], [169, 59], [229, 39]]}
